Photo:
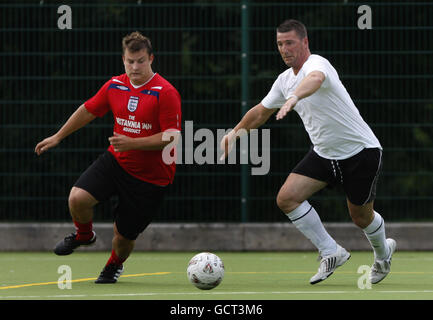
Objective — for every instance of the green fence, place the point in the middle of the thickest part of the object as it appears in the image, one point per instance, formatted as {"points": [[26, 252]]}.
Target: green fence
{"points": [[223, 59]]}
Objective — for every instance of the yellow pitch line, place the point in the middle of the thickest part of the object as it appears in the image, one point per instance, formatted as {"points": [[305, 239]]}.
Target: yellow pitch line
{"points": [[80, 280], [165, 273]]}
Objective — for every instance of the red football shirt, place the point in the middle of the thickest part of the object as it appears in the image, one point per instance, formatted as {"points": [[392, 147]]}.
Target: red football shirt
{"points": [[140, 112]]}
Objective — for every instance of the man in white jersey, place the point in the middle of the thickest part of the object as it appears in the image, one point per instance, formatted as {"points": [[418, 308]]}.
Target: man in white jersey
{"points": [[345, 151]]}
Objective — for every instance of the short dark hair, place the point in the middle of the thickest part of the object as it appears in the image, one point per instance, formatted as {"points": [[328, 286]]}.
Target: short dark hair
{"points": [[290, 25], [135, 41]]}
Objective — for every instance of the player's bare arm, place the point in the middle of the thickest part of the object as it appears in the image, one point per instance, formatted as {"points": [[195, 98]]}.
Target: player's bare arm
{"points": [[157, 141], [310, 84], [253, 119], [77, 120]]}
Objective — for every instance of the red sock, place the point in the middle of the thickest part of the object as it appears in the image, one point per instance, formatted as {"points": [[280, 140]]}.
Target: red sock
{"points": [[115, 259], [84, 231]]}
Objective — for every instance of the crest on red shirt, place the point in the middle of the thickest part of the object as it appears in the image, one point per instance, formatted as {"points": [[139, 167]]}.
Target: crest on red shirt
{"points": [[132, 103]]}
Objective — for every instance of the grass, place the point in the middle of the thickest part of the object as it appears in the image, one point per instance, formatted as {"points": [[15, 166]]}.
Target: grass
{"points": [[248, 276]]}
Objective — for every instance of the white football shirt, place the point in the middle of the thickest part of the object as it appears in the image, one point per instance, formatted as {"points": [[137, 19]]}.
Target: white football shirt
{"points": [[336, 129]]}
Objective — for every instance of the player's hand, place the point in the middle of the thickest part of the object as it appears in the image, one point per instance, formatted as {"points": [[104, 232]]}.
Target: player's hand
{"points": [[227, 143], [46, 144], [287, 107], [121, 143]]}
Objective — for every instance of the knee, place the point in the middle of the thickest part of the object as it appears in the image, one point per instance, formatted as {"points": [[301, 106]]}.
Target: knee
{"points": [[74, 200], [360, 222], [121, 242], [361, 219], [362, 215], [118, 238], [287, 201], [78, 200]]}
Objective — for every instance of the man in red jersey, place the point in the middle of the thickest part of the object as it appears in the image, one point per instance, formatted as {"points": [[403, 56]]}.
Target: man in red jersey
{"points": [[144, 107]]}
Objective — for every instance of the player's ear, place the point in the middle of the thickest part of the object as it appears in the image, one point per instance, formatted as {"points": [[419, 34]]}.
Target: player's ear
{"points": [[151, 57]]}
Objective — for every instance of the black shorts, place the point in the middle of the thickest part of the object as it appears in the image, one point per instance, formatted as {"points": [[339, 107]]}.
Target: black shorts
{"points": [[358, 174], [138, 201]]}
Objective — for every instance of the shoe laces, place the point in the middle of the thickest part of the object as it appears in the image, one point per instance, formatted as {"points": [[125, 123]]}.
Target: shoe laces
{"points": [[71, 237], [111, 269], [328, 264], [381, 266]]}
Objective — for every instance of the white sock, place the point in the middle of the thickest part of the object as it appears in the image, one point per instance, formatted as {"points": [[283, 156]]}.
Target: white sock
{"points": [[375, 233], [306, 220]]}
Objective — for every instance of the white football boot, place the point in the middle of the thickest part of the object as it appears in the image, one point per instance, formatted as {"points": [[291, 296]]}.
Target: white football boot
{"points": [[381, 268], [329, 263]]}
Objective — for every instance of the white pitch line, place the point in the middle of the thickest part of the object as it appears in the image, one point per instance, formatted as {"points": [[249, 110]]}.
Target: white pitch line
{"points": [[212, 293]]}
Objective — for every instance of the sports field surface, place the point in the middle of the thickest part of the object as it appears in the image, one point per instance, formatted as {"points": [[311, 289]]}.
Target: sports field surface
{"points": [[248, 276]]}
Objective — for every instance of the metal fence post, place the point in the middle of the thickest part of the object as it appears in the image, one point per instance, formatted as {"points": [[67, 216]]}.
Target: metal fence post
{"points": [[244, 104]]}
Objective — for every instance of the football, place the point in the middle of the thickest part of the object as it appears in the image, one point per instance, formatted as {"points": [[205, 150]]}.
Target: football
{"points": [[205, 270]]}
